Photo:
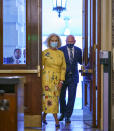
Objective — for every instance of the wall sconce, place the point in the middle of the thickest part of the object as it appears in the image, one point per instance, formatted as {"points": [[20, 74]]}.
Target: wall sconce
{"points": [[59, 6]]}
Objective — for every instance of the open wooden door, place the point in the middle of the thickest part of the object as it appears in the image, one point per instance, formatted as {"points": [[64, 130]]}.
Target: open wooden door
{"points": [[90, 69], [28, 11]]}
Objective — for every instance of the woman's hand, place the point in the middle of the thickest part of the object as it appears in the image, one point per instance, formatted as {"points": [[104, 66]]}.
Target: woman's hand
{"points": [[60, 84]]}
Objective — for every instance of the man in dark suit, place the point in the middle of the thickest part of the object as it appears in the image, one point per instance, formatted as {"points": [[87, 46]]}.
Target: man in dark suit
{"points": [[73, 56]]}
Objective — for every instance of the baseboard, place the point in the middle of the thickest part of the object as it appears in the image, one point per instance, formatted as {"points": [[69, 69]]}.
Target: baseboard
{"points": [[32, 121]]}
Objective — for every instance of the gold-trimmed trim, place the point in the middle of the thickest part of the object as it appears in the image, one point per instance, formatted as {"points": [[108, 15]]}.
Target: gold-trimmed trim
{"points": [[19, 71]]}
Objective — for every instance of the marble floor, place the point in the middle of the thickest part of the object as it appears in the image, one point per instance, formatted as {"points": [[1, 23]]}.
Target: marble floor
{"points": [[73, 126], [76, 124]]}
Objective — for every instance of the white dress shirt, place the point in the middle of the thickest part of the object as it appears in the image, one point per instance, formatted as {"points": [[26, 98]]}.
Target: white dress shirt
{"points": [[69, 52]]}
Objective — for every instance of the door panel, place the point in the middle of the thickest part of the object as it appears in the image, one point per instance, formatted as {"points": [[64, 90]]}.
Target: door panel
{"points": [[32, 89], [91, 62], [89, 58], [98, 70]]}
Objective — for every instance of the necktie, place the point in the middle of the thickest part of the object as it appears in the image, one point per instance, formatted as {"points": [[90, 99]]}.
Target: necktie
{"points": [[71, 56]]}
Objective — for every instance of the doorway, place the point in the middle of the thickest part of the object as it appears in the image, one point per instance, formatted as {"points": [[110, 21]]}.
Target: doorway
{"points": [[69, 22]]}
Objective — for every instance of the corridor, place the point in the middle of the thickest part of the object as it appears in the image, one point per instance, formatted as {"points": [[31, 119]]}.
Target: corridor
{"points": [[76, 124]]}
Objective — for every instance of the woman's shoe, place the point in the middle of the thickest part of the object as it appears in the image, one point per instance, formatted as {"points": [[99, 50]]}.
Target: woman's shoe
{"points": [[44, 121], [57, 125]]}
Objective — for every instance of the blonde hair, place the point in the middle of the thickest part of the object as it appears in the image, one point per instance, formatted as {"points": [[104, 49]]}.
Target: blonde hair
{"points": [[49, 38]]}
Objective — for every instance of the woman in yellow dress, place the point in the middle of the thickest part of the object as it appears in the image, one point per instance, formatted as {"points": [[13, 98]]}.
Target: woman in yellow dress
{"points": [[53, 75]]}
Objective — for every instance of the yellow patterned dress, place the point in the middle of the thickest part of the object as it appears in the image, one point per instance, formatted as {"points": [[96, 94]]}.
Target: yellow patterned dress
{"points": [[54, 68]]}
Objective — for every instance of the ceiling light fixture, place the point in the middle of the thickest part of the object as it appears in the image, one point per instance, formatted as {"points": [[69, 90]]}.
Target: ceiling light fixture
{"points": [[59, 6]]}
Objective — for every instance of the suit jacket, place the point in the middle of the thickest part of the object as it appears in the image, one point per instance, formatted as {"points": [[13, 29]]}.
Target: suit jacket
{"points": [[74, 66]]}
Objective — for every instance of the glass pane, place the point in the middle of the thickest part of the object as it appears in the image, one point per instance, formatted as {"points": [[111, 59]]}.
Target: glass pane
{"points": [[14, 31]]}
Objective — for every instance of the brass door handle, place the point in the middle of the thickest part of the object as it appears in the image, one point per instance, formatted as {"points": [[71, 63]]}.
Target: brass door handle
{"points": [[84, 71], [88, 71]]}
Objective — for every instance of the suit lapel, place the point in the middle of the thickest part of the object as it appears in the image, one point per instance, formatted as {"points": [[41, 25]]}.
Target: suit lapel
{"points": [[75, 54], [66, 55]]}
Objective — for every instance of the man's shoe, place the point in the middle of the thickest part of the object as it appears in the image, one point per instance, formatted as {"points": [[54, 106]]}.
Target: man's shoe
{"points": [[61, 117], [67, 120]]}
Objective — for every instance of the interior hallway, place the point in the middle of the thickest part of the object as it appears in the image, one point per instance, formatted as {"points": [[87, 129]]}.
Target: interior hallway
{"points": [[76, 124]]}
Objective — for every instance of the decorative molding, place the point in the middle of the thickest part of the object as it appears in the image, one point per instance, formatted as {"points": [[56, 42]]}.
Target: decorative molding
{"points": [[18, 71]]}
